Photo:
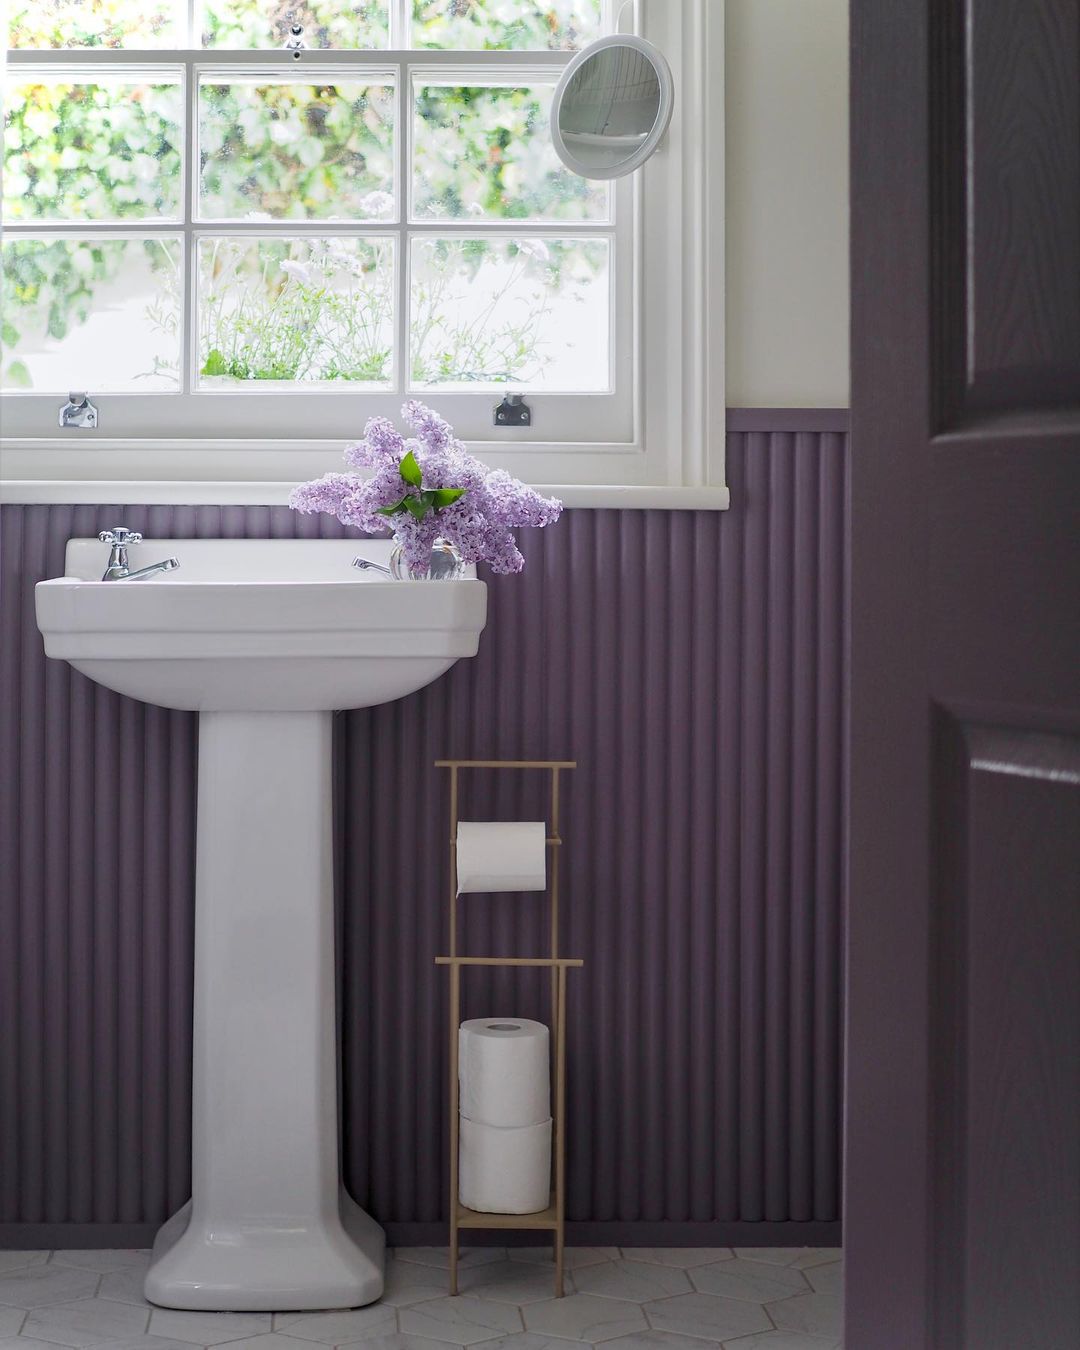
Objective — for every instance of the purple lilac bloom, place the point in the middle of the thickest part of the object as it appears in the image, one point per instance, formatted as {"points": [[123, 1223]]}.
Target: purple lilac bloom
{"points": [[480, 523]]}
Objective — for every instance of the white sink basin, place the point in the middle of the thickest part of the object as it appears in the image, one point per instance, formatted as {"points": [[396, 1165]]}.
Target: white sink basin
{"points": [[257, 625], [264, 638]]}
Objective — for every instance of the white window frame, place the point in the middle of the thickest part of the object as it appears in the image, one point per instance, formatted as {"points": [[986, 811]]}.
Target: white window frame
{"points": [[668, 445]]}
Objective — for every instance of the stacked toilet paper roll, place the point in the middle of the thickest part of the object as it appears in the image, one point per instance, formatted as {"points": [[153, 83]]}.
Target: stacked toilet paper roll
{"points": [[504, 1150]]}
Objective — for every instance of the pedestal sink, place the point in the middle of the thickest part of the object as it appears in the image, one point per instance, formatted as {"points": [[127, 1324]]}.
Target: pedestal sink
{"points": [[264, 638]]}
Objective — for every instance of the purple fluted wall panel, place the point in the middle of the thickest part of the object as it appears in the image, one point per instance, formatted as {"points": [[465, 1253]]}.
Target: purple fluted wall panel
{"points": [[691, 663]]}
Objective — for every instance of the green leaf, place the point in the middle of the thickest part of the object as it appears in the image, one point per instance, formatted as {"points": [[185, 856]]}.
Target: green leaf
{"points": [[394, 510], [19, 375], [215, 364], [9, 334], [417, 506], [446, 496], [410, 470]]}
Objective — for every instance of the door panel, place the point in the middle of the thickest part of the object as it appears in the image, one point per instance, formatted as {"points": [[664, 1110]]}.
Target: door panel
{"points": [[1005, 1064], [962, 1134], [1005, 126]]}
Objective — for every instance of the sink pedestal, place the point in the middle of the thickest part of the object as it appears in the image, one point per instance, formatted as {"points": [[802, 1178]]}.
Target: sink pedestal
{"points": [[259, 636], [269, 1225]]}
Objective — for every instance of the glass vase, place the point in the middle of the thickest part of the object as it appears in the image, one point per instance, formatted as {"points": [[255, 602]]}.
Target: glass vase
{"points": [[444, 564]]}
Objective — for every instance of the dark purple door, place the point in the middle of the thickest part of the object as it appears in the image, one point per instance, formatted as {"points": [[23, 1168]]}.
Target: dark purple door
{"points": [[962, 1167]]}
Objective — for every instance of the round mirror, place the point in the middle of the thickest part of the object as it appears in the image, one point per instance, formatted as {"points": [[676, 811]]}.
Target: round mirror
{"points": [[611, 107]]}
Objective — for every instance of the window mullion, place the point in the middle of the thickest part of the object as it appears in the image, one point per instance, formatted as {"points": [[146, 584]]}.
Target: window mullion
{"points": [[399, 24], [190, 169], [403, 172]]}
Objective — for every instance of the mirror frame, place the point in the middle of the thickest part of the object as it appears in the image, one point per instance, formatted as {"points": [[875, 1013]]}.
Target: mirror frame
{"points": [[663, 117]]}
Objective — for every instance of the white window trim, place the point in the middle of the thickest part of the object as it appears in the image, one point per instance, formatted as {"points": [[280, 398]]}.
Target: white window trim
{"points": [[676, 456]]}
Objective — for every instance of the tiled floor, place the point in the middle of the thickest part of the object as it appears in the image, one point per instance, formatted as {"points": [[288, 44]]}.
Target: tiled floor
{"points": [[634, 1298]]}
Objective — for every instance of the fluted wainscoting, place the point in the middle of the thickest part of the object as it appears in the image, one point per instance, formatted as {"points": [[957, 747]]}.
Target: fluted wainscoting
{"points": [[691, 663]]}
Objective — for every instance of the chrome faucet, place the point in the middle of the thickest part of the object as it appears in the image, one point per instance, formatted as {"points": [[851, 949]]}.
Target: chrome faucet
{"points": [[366, 565], [118, 569]]}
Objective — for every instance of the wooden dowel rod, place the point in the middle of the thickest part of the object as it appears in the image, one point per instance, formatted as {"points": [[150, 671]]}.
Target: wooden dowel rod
{"points": [[506, 764], [455, 1020], [570, 962], [560, 1132], [554, 892], [453, 860]]}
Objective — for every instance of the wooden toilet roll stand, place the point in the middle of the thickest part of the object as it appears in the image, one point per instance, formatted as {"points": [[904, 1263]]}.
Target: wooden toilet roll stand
{"points": [[553, 1218]]}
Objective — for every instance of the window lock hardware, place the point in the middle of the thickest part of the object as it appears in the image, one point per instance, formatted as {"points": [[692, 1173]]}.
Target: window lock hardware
{"points": [[78, 411], [513, 411], [295, 41]]}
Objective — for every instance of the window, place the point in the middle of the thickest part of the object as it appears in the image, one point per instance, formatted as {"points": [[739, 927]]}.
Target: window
{"points": [[247, 225]]}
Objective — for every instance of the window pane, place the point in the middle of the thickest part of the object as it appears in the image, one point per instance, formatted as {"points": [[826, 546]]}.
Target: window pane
{"points": [[486, 152], [91, 313], [104, 149], [265, 23], [516, 25], [93, 23], [295, 312], [296, 151], [531, 312]]}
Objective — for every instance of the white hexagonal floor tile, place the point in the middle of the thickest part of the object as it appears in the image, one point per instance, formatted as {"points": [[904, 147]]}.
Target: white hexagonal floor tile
{"points": [[783, 1340], [573, 1257], [207, 1328], [407, 1283], [827, 1279], [86, 1322], [11, 1319], [397, 1341], [464, 1320], [19, 1260], [636, 1281], [820, 1314], [585, 1317], [270, 1340], [755, 1281], [816, 1256], [340, 1327], [124, 1286], [40, 1285], [533, 1340], [149, 1342], [799, 1258], [708, 1316], [658, 1340], [509, 1282], [26, 1343], [683, 1257], [439, 1257], [102, 1260]]}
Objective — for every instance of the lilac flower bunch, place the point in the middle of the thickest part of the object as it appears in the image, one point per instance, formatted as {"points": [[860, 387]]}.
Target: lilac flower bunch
{"points": [[427, 487]]}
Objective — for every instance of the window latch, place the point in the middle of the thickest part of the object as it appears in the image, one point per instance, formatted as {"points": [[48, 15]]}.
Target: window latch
{"points": [[78, 411], [513, 411]]}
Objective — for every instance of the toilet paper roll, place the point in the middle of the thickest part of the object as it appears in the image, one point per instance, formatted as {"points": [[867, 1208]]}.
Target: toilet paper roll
{"points": [[504, 1171], [495, 855], [503, 1071]]}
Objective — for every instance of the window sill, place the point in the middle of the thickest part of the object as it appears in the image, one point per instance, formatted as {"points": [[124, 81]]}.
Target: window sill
{"points": [[113, 492]]}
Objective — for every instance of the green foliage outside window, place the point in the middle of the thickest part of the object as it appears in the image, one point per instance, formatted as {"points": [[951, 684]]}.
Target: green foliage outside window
{"points": [[111, 151]]}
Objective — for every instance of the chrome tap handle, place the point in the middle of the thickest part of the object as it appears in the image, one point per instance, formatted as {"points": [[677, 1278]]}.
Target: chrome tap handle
{"points": [[120, 536]]}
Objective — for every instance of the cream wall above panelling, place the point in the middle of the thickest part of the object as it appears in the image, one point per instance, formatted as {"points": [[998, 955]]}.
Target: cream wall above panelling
{"points": [[787, 203]]}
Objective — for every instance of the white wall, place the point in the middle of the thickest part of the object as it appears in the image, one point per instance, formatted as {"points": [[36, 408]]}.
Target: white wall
{"points": [[787, 203]]}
